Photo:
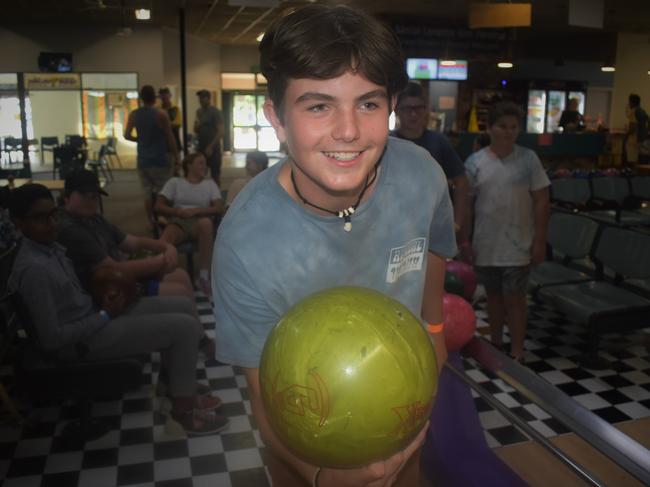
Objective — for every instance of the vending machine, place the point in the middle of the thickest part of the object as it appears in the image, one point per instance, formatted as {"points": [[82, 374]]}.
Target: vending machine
{"points": [[546, 104]]}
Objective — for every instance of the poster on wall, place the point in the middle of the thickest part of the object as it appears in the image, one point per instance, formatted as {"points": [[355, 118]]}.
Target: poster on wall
{"points": [[52, 81]]}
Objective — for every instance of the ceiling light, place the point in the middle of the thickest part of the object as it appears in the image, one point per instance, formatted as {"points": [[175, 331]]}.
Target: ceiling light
{"points": [[607, 69], [259, 37], [142, 14], [505, 65]]}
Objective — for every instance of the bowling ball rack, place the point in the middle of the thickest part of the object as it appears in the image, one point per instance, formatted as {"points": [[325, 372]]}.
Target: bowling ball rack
{"points": [[628, 454]]}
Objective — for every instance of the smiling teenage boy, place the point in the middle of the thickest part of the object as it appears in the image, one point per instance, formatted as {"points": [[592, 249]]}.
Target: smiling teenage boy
{"points": [[348, 206]]}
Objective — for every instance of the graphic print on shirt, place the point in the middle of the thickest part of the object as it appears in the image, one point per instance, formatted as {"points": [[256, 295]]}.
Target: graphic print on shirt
{"points": [[407, 258]]}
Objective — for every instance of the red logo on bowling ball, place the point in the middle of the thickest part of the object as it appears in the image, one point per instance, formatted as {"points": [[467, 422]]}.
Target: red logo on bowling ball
{"points": [[410, 416], [297, 399]]}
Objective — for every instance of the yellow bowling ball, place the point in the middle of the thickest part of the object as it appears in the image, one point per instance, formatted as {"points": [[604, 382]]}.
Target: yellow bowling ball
{"points": [[348, 377]]}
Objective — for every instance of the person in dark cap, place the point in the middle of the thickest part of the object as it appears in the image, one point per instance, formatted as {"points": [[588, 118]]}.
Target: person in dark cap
{"points": [[70, 326], [208, 127], [157, 151], [173, 112], [92, 242]]}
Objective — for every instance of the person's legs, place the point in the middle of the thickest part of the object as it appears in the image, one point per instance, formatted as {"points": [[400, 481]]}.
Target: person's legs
{"points": [[515, 283], [172, 234], [176, 283], [517, 320], [214, 163], [490, 278], [203, 233], [496, 309], [167, 325], [147, 187]]}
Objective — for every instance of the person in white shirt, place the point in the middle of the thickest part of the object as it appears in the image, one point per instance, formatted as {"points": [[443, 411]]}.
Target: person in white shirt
{"points": [[511, 208], [190, 203]]}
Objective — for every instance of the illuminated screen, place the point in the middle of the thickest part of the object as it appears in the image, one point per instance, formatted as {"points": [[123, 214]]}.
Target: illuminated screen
{"points": [[418, 68], [455, 69]]}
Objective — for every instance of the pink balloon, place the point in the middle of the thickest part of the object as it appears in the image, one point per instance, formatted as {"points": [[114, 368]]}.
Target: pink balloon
{"points": [[460, 321], [467, 276]]}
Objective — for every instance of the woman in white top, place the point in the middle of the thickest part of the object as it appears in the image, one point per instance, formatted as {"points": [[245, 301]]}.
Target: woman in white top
{"points": [[190, 203]]}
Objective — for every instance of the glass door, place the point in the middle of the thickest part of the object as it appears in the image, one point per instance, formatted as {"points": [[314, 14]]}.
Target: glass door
{"points": [[251, 129]]}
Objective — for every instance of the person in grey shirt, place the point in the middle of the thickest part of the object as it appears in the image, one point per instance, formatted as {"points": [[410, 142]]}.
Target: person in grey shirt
{"points": [[69, 326], [208, 127]]}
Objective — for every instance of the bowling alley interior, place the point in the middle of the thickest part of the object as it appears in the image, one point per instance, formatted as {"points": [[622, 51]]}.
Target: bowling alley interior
{"points": [[93, 91]]}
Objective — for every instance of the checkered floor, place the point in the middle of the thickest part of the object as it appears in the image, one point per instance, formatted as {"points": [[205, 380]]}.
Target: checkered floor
{"points": [[143, 449]]}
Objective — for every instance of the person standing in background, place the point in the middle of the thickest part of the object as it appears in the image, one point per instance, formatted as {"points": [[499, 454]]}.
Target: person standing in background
{"points": [[173, 112], [637, 128], [208, 127], [511, 208], [412, 112], [157, 151], [571, 119]]}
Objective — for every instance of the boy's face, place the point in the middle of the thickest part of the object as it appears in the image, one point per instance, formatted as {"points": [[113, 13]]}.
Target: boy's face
{"points": [[504, 132], [335, 130], [41, 222], [412, 113], [83, 205]]}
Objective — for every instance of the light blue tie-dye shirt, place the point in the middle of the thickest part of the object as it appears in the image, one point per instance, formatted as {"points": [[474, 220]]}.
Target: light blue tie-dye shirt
{"points": [[271, 252], [504, 222]]}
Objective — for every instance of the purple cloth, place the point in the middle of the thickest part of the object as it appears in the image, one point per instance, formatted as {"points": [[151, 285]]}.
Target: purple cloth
{"points": [[455, 453]]}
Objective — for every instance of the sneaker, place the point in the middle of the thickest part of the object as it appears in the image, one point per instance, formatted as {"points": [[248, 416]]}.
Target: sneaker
{"points": [[207, 403], [203, 285], [201, 389], [198, 423]]}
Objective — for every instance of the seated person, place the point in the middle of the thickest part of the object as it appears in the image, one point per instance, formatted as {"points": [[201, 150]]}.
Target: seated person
{"points": [[256, 162], [190, 203], [70, 327], [92, 242], [571, 119]]}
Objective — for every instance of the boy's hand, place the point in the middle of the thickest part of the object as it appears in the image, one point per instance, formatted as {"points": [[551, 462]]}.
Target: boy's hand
{"points": [[466, 253], [378, 474], [113, 303], [538, 253], [185, 212]]}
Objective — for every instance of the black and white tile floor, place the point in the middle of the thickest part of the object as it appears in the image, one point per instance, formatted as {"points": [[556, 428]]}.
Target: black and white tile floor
{"points": [[143, 450]]}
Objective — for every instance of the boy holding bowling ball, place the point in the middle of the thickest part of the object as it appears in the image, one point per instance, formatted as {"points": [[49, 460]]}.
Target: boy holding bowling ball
{"points": [[348, 206]]}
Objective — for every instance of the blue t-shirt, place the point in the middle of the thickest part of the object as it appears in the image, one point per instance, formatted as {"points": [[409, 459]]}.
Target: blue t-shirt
{"points": [[441, 150], [271, 251]]}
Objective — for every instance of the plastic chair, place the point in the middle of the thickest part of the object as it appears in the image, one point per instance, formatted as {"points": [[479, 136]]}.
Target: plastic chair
{"points": [[11, 146], [100, 163], [48, 144], [570, 238], [111, 151], [67, 159], [76, 141]]}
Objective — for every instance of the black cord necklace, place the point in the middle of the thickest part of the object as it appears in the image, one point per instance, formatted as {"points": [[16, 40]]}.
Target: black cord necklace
{"points": [[349, 211]]}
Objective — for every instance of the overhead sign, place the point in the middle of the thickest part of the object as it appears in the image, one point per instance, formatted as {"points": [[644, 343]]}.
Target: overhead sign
{"points": [[499, 15], [52, 81]]}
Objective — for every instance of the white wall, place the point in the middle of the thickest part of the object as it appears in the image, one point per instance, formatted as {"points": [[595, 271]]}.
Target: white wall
{"points": [[92, 50], [67, 107], [631, 76]]}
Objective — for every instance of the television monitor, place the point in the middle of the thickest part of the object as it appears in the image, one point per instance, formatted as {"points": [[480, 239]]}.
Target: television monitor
{"points": [[422, 68], [55, 62], [453, 69]]}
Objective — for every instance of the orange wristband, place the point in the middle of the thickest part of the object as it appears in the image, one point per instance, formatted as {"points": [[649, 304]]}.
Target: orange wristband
{"points": [[437, 328]]}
